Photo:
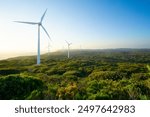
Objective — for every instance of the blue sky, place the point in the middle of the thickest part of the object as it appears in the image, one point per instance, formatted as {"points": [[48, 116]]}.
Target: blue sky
{"points": [[86, 23]]}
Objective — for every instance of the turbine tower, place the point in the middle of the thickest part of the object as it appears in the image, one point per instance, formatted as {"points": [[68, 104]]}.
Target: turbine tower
{"points": [[68, 48], [39, 25]]}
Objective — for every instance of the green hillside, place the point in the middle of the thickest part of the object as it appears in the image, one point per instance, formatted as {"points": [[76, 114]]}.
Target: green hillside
{"points": [[88, 74]]}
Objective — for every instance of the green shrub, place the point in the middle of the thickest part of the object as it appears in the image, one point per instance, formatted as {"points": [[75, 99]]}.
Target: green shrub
{"points": [[103, 75], [7, 71], [17, 87], [140, 76], [73, 72], [35, 95]]}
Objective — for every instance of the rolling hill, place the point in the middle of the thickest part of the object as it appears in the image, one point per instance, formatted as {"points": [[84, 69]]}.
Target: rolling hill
{"points": [[88, 74]]}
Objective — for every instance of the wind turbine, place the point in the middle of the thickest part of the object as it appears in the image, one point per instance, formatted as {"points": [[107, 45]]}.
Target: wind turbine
{"points": [[68, 47], [39, 25], [49, 48]]}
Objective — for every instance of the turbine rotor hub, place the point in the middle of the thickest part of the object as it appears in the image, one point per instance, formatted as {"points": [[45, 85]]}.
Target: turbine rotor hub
{"points": [[39, 23]]}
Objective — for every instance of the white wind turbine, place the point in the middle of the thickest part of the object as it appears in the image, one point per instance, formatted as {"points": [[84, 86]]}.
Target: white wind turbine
{"points": [[49, 48], [39, 25], [68, 48]]}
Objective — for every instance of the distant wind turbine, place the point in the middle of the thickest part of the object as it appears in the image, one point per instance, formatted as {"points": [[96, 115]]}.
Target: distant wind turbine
{"points": [[68, 48], [39, 25], [49, 48]]}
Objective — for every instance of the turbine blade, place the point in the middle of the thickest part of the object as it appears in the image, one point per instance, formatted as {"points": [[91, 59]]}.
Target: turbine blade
{"points": [[67, 42], [45, 31], [33, 23], [43, 15]]}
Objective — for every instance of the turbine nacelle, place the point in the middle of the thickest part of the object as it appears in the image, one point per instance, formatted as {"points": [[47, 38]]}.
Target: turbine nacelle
{"points": [[68, 43], [39, 23]]}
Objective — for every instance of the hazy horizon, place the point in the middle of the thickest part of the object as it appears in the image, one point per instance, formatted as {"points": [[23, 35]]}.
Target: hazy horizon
{"points": [[88, 24], [12, 55]]}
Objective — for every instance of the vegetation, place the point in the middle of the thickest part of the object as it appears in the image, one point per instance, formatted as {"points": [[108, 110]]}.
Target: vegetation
{"points": [[88, 74]]}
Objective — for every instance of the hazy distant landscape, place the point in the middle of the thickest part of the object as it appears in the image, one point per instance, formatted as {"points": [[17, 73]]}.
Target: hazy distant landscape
{"points": [[88, 74]]}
